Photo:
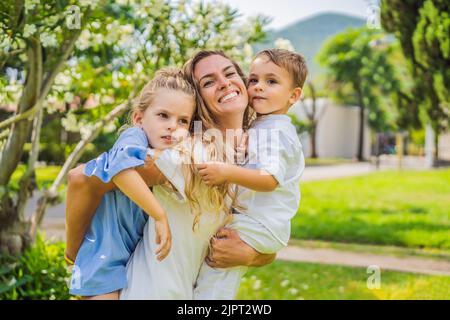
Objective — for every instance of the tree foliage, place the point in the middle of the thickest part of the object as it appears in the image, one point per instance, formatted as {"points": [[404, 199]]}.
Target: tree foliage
{"points": [[422, 28], [86, 60], [360, 73]]}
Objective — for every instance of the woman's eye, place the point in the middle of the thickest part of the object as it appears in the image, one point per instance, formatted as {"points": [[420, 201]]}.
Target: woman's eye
{"points": [[230, 74], [207, 84]]}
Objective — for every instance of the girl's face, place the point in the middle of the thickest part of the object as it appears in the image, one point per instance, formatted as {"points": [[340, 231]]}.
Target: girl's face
{"points": [[222, 89], [167, 120]]}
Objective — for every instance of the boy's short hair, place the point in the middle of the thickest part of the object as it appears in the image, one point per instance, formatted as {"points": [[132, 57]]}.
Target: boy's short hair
{"points": [[293, 62]]}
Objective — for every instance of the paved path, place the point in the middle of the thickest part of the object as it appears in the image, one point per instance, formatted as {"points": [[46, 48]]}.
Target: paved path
{"points": [[348, 258], [387, 162], [313, 173]]}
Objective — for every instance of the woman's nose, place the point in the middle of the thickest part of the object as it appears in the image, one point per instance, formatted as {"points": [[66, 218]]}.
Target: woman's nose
{"points": [[224, 82]]}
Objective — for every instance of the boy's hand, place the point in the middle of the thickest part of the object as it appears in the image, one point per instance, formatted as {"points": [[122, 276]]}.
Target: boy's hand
{"points": [[214, 173], [163, 238]]}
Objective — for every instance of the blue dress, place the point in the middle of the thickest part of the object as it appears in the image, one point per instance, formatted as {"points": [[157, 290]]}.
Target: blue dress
{"points": [[117, 225]]}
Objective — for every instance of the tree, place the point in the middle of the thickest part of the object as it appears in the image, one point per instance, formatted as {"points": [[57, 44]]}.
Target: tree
{"points": [[313, 116], [422, 28], [359, 71], [97, 53]]}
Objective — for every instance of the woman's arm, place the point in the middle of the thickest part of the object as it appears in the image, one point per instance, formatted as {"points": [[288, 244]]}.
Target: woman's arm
{"points": [[83, 197], [228, 250]]}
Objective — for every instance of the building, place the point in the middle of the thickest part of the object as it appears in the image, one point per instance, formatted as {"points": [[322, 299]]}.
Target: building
{"points": [[337, 130]]}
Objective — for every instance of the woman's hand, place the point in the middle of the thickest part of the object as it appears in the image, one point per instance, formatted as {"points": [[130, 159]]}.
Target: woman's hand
{"points": [[228, 250], [163, 238]]}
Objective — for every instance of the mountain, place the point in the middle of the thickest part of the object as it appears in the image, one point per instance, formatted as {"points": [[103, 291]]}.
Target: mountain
{"points": [[308, 35]]}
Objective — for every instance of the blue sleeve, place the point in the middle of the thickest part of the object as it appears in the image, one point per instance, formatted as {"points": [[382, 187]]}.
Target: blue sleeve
{"points": [[129, 151]]}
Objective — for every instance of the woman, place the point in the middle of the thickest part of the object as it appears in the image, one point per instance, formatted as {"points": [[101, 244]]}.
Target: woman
{"points": [[215, 77]]}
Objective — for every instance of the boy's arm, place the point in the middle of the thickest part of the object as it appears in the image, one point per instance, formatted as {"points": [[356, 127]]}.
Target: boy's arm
{"points": [[255, 179], [83, 197]]}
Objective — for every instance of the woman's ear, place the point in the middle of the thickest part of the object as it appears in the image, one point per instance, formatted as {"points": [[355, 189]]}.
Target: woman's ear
{"points": [[137, 118], [295, 96]]}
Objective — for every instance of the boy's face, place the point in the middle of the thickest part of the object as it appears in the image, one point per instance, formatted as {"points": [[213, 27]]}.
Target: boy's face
{"points": [[167, 120], [270, 87]]}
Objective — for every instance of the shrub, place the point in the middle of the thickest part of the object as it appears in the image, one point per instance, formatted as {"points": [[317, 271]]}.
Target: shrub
{"points": [[40, 273]]}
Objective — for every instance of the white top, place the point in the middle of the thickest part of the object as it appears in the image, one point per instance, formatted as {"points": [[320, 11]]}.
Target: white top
{"points": [[175, 276], [274, 146]]}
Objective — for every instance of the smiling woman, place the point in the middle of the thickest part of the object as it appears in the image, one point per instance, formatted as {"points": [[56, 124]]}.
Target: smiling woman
{"points": [[216, 77]]}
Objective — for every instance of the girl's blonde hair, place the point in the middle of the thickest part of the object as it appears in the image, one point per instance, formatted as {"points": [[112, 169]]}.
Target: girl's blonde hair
{"points": [[166, 78]]}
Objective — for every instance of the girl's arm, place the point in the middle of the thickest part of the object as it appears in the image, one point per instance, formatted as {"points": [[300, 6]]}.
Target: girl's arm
{"points": [[135, 188], [255, 179], [83, 197]]}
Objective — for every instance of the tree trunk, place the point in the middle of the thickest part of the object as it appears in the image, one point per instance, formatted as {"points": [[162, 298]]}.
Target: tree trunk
{"points": [[312, 135], [436, 147], [361, 127], [13, 229], [313, 120]]}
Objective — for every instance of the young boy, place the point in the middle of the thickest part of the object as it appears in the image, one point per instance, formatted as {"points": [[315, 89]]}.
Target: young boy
{"points": [[270, 177]]}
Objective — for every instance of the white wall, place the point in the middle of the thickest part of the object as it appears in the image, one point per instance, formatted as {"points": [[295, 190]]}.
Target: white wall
{"points": [[337, 131], [444, 146]]}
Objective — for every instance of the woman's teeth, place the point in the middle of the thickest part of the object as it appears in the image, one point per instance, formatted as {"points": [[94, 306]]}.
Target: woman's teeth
{"points": [[228, 97]]}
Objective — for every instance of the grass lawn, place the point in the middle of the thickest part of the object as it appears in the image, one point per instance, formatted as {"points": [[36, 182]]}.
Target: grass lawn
{"points": [[290, 281], [407, 208]]}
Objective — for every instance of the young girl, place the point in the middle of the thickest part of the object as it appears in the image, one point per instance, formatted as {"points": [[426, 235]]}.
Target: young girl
{"points": [[160, 119]]}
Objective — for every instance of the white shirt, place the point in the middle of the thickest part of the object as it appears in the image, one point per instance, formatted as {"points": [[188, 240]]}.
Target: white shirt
{"points": [[274, 146], [175, 276]]}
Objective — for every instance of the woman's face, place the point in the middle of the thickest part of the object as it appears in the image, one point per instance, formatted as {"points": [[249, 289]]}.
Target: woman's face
{"points": [[222, 89]]}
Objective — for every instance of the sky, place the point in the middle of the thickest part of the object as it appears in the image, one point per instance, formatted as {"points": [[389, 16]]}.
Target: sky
{"points": [[285, 12]]}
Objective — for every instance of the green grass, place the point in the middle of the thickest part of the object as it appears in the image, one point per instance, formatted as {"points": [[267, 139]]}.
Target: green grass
{"points": [[290, 281], [410, 209]]}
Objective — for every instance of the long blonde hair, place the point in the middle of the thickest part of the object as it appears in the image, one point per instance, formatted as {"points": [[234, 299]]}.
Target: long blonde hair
{"points": [[222, 197]]}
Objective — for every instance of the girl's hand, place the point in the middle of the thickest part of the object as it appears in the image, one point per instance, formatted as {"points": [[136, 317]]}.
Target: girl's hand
{"points": [[163, 238], [214, 173]]}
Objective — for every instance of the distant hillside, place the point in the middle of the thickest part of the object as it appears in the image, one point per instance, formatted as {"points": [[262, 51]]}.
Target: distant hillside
{"points": [[307, 36]]}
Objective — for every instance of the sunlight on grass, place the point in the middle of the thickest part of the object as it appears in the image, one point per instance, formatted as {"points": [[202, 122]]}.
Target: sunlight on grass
{"points": [[293, 281], [391, 208]]}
